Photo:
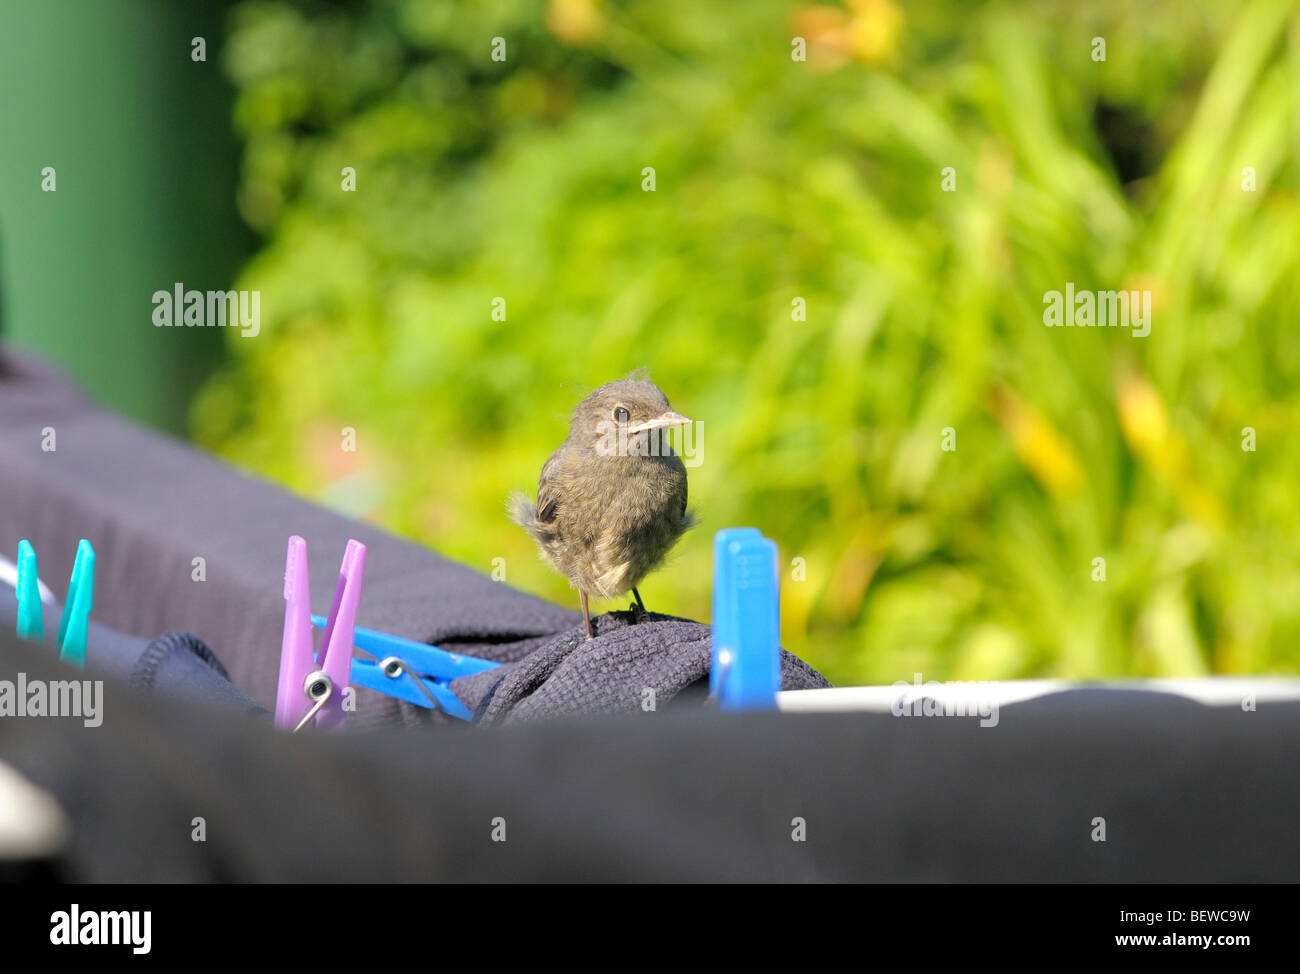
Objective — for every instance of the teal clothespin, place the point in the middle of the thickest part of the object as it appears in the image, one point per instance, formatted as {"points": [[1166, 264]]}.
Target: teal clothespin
{"points": [[76, 609], [31, 621]]}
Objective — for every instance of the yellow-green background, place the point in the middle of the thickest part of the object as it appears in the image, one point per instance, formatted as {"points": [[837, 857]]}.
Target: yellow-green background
{"points": [[778, 179]]}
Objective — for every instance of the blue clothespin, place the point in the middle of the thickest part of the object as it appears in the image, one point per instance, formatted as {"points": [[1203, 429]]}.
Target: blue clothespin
{"points": [[76, 607], [746, 669], [308, 688], [412, 671]]}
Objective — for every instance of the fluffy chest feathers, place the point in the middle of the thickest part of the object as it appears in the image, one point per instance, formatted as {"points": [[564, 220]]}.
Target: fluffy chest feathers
{"points": [[611, 519]]}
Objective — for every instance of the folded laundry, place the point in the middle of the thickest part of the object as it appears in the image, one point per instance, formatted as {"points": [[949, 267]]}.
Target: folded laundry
{"points": [[629, 667], [134, 492]]}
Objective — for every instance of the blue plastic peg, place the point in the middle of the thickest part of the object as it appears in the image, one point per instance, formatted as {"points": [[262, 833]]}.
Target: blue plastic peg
{"points": [[746, 668]]}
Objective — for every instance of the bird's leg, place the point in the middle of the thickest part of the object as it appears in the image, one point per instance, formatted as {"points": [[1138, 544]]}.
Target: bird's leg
{"points": [[638, 610], [586, 614]]}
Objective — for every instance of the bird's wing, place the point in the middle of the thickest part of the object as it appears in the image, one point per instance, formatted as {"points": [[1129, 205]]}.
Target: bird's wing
{"points": [[547, 501], [688, 519]]}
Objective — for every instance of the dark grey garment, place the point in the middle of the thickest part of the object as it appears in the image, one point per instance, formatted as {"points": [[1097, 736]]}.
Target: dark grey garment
{"points": [[151, 505], [625, 669], [1189, 794], [176, 664]]}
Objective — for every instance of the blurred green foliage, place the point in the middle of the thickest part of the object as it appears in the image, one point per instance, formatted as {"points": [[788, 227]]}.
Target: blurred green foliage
{"points": [[778, 179]]}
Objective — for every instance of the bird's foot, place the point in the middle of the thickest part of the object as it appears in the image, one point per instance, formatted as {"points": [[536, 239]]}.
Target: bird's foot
{"points": [[637, 608]]}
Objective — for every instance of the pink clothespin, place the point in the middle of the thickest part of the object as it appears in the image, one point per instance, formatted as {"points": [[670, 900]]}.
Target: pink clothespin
{"points": [[306, 689]]}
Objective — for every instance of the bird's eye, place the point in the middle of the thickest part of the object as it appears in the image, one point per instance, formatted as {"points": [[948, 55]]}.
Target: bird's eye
{"points": [[621, 415]]}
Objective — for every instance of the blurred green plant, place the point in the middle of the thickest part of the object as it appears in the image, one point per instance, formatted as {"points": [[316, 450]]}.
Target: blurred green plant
{"points": [[779, 179]]}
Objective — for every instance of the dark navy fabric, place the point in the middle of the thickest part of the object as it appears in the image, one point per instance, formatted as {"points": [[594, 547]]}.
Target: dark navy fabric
{"points": [[173, 665]]}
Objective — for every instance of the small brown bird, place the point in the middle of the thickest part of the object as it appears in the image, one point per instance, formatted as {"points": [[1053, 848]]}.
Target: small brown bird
{"points": [[611, 500]]}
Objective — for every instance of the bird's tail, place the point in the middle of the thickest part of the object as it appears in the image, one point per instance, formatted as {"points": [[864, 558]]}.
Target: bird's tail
{"points": [[524, 513]]}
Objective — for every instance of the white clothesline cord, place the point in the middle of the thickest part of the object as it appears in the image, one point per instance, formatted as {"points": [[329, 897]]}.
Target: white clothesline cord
{"points": [[9, 576], [1217, 691]]}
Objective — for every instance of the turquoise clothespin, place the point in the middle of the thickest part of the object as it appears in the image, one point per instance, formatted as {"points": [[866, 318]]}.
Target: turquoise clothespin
{"points": [[31, 621], [76, 609]]}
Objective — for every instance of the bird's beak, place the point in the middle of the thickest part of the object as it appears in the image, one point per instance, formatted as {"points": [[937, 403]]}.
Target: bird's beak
{"points": [[669, 418]]}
